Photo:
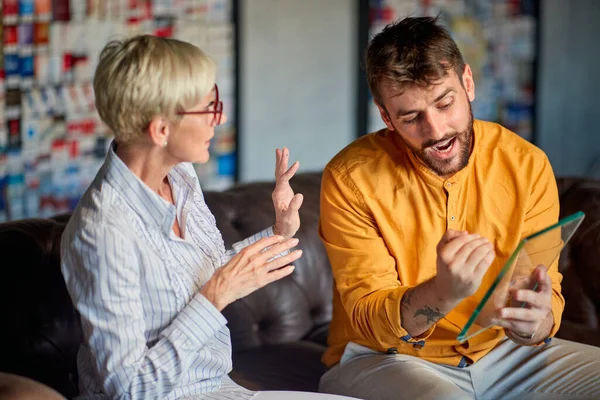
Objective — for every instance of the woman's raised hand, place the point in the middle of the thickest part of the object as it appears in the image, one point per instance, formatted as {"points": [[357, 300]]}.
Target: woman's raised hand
{"points": [[249, 270]]}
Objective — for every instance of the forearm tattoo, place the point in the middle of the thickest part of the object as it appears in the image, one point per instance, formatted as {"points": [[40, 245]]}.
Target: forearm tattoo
{"points": [[431, 314]]}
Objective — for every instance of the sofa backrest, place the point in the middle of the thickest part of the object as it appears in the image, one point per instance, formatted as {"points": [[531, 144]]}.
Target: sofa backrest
{"points": [[580, 262], [41, 331]]}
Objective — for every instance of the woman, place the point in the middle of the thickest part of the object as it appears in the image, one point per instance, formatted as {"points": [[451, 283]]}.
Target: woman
{"points": [[143, 260]]}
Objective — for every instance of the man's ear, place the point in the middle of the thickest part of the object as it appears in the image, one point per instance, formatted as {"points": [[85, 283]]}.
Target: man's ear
{"points": [[159, 130], [468, 82], [385, 116]]}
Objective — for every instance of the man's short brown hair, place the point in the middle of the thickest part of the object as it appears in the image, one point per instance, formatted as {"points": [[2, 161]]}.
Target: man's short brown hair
{"points": [[414, 50]]}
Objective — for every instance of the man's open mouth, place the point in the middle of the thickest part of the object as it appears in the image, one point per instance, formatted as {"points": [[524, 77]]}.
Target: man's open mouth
{"points": [[445, 146]]}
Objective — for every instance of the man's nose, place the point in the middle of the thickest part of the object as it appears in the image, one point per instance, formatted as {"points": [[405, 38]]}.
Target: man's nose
{"points": [[434, 127]]}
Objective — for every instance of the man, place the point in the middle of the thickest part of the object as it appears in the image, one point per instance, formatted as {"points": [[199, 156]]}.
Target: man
{"points": [[417, 220]]}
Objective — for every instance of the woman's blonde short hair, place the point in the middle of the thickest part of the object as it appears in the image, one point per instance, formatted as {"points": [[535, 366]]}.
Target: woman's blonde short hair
{"points": [[147, 76]]}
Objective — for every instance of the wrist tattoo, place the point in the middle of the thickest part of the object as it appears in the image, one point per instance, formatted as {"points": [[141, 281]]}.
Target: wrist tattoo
{"points": [[431, 314], [407, 297], [405, 303]]}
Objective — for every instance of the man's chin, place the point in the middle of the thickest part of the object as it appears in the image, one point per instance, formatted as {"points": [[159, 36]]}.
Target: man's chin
{"points": [[449, 166], [444, 168]]}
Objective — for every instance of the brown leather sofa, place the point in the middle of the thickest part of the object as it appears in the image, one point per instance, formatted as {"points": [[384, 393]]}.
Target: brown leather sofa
{"points": [[279, 332]]}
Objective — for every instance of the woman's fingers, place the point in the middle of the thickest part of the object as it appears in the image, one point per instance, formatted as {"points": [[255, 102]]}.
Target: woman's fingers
{"points": [[257, 265], [261, 245], [277, 274], [273, 251], [283, 260], [287, 175], [280, 162]]}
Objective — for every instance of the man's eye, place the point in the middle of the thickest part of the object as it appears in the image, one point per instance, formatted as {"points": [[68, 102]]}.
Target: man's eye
{"points": [[412, 120], [446, 106]]}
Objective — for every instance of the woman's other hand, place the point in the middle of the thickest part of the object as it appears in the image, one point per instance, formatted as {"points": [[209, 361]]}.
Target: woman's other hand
{"points": [[287, 218], [250, 269]]}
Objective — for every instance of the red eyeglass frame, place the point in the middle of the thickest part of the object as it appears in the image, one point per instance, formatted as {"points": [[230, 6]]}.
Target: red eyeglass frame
{"points": [[217, 112]]}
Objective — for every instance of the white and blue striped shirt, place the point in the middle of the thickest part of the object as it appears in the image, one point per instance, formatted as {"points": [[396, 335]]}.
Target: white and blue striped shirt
{"points": [[148, 334]]}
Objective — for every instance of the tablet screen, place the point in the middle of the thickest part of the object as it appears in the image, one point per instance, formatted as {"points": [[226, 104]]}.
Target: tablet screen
{"points": [[541, 248]]}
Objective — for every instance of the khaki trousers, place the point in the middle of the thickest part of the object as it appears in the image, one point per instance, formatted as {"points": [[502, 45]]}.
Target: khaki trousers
{"points": [[558, 370]]}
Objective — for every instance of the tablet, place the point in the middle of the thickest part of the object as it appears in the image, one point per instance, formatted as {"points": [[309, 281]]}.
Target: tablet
{"points": [[540, 248]]}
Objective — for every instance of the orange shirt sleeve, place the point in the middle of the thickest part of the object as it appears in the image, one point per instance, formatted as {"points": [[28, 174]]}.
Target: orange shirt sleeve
{"points": [[543, 211], [364, 271]]}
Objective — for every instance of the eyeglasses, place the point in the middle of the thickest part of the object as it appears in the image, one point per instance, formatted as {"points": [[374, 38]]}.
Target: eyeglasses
{"points": [[217, 110]]}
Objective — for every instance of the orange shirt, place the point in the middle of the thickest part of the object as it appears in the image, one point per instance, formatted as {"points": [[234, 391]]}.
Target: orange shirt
{"points": [[383, 213]]}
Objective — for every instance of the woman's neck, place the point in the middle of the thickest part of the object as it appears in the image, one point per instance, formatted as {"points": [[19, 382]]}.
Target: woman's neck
{"points": [[147, 163]]}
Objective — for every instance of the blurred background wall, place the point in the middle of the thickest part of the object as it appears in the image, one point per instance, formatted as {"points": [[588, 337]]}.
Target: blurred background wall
{"points": [[298, 82], [569, 83]]}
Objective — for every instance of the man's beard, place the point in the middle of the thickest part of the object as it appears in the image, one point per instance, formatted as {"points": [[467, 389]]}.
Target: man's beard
{"points": [[449, 166]]}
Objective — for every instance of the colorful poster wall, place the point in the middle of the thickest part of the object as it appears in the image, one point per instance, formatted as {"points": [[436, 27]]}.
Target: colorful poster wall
{"points": [[52, 141]]}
